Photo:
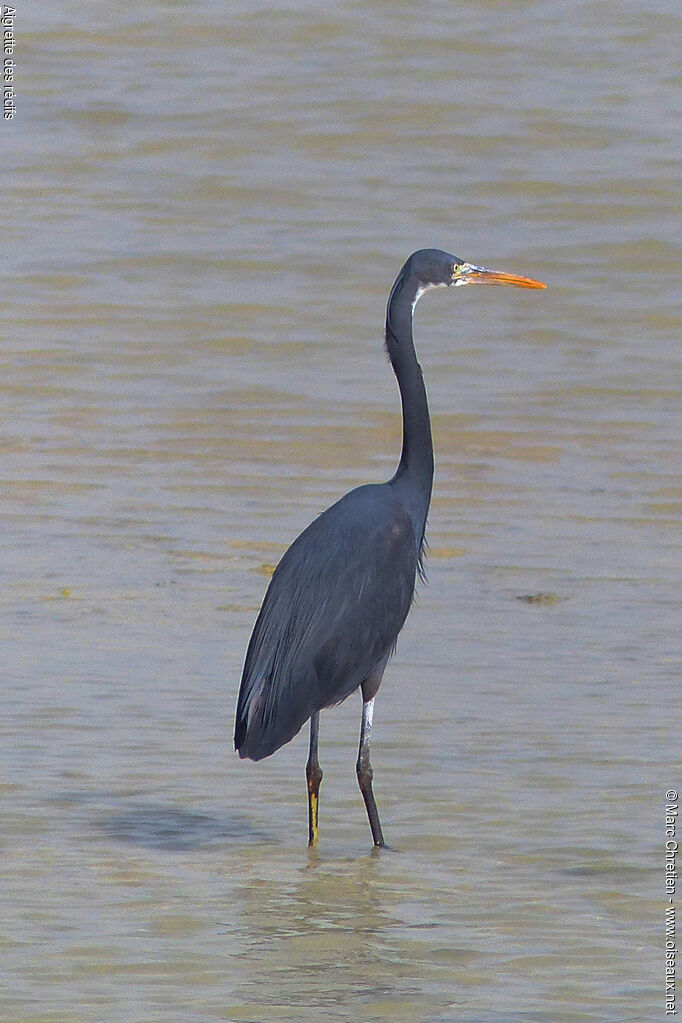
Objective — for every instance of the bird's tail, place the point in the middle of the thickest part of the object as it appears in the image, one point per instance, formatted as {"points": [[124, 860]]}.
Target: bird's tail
{"points": [[266, 719]]}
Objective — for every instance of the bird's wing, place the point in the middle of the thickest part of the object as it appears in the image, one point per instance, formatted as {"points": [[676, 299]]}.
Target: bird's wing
{"points": [[333, 610]]}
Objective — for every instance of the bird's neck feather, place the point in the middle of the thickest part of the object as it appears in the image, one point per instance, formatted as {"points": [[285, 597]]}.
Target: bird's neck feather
{"points": [[414, 476]]}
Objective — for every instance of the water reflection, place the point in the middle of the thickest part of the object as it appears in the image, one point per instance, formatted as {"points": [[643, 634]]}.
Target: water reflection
{"points": [[345, 931]]}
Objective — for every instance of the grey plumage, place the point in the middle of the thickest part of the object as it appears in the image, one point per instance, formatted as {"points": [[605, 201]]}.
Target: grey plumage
{"points": [[341, 593], [329, 616]]}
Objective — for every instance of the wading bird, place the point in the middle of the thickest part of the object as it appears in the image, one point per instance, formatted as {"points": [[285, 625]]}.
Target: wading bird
{"points": [[341, 593]]}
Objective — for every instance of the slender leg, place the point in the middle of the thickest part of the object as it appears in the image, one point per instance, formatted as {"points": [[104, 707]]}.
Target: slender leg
{"points": [[365, 773], [313, 773]]}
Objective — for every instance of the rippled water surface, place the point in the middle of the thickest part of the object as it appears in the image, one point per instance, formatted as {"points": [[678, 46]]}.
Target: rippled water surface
{"points": [[205, 206]]}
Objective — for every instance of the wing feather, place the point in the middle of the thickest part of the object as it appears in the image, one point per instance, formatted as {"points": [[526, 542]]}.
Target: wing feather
{"points": [[333, 610]]}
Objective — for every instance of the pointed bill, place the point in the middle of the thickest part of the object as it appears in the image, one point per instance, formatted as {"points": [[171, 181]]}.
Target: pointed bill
{"points": [[467, 273]]}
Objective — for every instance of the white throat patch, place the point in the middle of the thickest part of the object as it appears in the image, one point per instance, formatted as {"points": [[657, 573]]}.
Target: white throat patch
{"points": [[423, 288]]}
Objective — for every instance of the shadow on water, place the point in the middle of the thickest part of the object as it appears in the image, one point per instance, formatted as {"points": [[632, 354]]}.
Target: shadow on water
{"points": [[164, 827], [159, 825]]}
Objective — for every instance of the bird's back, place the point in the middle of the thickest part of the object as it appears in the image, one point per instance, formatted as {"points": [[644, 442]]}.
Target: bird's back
{"points": [[332, 612]]}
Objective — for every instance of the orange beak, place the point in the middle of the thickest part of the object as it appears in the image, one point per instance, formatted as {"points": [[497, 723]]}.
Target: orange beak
{"points": [[467, 273]]}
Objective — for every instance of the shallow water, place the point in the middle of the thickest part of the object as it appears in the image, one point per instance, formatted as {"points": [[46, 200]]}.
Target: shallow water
{"points": [[204, 213]]}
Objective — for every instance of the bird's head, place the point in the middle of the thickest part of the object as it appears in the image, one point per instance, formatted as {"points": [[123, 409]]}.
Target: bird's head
{"points": [[433, 268]]}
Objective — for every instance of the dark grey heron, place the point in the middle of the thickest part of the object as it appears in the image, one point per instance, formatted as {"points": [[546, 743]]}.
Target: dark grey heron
{"points": [[341, 593]]}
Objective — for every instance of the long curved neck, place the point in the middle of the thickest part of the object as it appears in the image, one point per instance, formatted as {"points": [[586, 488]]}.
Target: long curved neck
{"points": [[413, 479]]}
